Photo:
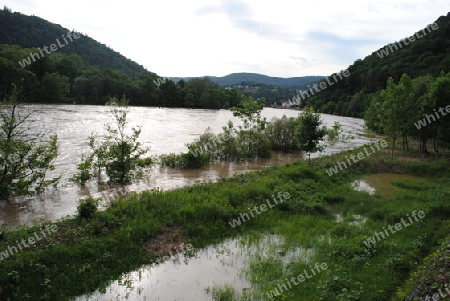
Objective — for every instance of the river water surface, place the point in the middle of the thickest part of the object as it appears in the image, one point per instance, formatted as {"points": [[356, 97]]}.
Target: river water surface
{"points": [[164, 131]]}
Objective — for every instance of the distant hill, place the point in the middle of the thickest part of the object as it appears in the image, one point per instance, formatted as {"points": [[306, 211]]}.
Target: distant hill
{"points": [[428, 55], [239, 78], [32, 31]]}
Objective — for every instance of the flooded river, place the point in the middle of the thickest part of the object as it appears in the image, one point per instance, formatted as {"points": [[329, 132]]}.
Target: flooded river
{"points": [[163, 131]]}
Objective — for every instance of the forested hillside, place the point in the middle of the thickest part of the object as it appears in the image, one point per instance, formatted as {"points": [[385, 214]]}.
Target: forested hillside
{"points": [[84, 71], [33, 32], [428, 55], [254, 78]]}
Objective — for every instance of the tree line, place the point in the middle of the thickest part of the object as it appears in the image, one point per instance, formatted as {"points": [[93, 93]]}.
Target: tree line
{"points": [[413, 108], [61, 78]]}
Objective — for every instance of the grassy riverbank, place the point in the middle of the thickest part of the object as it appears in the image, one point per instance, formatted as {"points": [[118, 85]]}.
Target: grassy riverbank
{"points": [[323, 213]]}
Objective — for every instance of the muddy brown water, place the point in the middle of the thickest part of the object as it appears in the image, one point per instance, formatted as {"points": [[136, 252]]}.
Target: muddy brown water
{"points": [[163, 131]]}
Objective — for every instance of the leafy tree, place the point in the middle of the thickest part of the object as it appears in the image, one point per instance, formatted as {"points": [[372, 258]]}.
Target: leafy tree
{"points": [[419, 106], [251, 138], [119, 154], [335, 132], [310, 132], [404, 93], [54, 87], [169, 94], [25, 157], [373, 115], [392, 111], [440, 98]]}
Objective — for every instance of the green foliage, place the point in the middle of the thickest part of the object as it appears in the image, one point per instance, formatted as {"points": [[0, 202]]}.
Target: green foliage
{"points": [[120, 152], [310, 132], [118, 155], [54, 88], [88, 73], [187, 160], [227, 293], [248, 140], [45, 33], [87, 207], [109, 243], [250, 137], [335, 132], [84, 173], [249, 112], [25, 158], [281, 134], [409, 109]]}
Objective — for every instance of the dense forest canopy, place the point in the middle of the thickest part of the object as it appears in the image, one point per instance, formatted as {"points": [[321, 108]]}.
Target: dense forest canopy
{"points": [[32, 31]]}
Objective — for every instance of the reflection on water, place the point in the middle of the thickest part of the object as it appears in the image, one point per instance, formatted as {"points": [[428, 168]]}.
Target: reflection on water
{"points": [[163, 131], [361, 185], [354, 220], [188, 278]]}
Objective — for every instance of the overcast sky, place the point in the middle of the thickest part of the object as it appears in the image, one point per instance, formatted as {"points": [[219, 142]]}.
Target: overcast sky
{"points": [[282, 38]]}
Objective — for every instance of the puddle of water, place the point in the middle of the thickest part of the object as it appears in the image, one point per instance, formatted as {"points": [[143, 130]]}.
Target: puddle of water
{"points": [[358, 219], [187, 278], [361, 185]]}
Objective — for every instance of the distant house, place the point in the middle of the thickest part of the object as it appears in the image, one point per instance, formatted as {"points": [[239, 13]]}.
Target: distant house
{"points": [[288, 104]]}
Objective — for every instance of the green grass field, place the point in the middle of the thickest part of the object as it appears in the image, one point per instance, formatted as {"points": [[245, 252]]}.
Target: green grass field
{"points": [[84, 255]]}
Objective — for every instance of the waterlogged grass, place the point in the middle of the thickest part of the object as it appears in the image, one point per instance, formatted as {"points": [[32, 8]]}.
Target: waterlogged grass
{"points": [[228, 293], [87, 254]]}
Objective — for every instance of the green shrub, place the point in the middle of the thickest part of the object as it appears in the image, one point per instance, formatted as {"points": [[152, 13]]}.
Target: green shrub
{"points": [[187, 160], [333, 199], [87, 207], [173, 160], [281, 134], [335, 131], [144, 162], [84, 173]]}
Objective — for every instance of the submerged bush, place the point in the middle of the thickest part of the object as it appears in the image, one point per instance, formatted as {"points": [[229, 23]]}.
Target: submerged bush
{"points": [[281, 134], [87, 207]]}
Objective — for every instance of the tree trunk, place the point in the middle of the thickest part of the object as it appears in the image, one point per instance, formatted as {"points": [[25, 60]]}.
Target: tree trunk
{"points": [[393, 144]]}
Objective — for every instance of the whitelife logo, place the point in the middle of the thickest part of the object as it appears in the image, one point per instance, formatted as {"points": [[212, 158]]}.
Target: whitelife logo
{"points": [[423, 123], [390, 48], [317, 87], [49, 229], [360, 156], [35, 56], [437, 296], [243, 217], [206, 147], [370, 242], [300, 278], [159, 81]]}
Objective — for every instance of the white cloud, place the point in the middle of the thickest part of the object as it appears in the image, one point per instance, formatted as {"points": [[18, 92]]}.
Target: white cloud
{"points": [[217, 37]]}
